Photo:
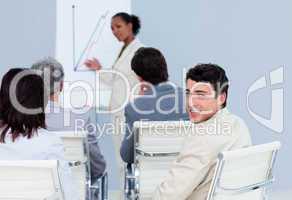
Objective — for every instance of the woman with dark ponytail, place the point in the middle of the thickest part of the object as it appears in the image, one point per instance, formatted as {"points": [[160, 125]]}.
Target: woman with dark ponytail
{"points": [[125, 28]]}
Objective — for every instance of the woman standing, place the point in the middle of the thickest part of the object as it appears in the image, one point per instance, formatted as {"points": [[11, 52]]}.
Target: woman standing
{"points": [[125, 28]]}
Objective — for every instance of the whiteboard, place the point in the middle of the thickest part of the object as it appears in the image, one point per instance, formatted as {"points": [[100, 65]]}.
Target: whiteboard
{"points": [[83, 31]]}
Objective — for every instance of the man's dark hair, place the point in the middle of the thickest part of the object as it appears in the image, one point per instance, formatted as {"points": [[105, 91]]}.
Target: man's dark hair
{"points": [[150, 65], [210, 73], [30, 94]]}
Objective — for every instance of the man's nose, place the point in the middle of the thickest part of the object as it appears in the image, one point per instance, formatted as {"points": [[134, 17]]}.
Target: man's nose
{"points": [[191, 102]]}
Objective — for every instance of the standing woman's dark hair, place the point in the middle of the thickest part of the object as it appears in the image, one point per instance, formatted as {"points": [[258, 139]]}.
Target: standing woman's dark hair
{"points": [[133, 19], [29, 92], [125, 28]]}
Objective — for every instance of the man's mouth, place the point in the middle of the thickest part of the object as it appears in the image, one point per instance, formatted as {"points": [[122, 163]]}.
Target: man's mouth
{"points": [[194, 110]]}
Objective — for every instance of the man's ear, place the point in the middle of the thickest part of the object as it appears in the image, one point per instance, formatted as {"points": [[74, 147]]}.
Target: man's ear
{"points": [[221, 99]]}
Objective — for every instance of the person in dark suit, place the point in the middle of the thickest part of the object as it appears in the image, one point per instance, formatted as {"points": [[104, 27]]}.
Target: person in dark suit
{"points": [[159, 100]]}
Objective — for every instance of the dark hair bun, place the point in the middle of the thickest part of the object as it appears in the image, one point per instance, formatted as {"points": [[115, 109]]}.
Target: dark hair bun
{"points": [[136, 24]]}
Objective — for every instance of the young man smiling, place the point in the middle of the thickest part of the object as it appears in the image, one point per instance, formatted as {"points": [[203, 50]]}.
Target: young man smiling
{"points": [[191, 174]]}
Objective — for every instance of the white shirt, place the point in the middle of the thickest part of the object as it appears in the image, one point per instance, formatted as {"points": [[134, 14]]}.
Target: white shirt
{"points": [[42, 146], [191, 174]]}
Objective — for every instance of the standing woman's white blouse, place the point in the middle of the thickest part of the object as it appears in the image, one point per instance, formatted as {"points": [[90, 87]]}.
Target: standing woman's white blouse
{"points": [[42, 146], [119, 93], [119, 89], [122, 65]]}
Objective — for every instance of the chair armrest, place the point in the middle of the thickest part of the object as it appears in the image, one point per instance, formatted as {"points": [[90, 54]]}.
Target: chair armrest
{"points": [[247, 188], [155, 154], [77, 163], [53, 196]]}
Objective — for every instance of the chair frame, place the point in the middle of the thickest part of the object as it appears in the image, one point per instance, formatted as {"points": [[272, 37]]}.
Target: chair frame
{"points": [[102, 183], [134, 173], [244, 189], [59, 192]]}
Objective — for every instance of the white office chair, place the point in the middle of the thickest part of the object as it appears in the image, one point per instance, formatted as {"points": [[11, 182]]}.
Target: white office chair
{"points": [[30, 180], [77, 153], [243, 174], [76, 148], [157, 144]]}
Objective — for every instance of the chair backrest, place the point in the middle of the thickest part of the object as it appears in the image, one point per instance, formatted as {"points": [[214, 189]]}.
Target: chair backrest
{"points": [[77, 153], [157, 144], [243, 174], [30, 180]]}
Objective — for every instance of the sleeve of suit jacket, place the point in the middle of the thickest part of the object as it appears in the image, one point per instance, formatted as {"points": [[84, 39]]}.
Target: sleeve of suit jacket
{"points": [[197, 157], [127, 147], [187, 172], [97, 161]]}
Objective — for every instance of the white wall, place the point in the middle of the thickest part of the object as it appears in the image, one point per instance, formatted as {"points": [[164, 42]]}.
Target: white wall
{"points": [[27, 32]]}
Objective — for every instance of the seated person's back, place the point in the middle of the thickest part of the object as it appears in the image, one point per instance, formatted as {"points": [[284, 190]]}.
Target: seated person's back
{"points": [[160, 100], [60, 119], [22, 129], [67, 120]]}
